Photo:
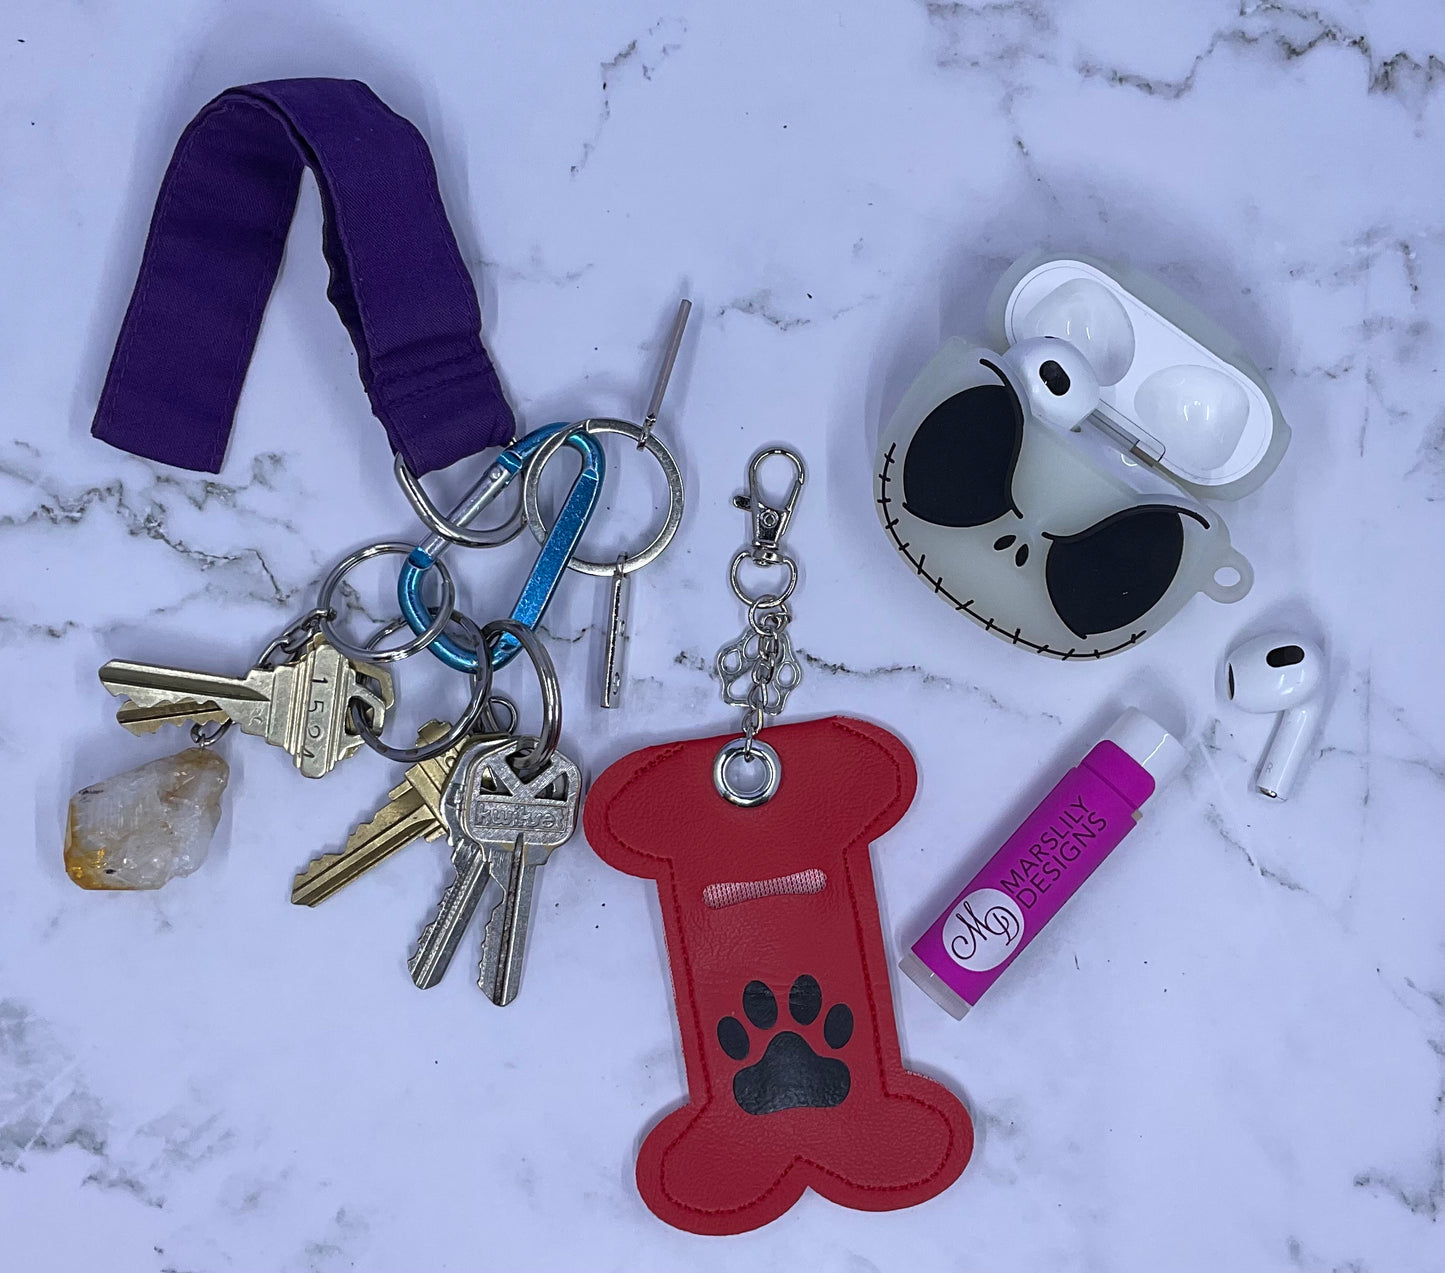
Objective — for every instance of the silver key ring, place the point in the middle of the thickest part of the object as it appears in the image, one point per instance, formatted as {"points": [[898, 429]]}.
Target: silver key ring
{"points": [[366, 653], [440, 524], [531, 762], [466, 722], [493, 722], [489, 719], [646, 441], [744, 748]]}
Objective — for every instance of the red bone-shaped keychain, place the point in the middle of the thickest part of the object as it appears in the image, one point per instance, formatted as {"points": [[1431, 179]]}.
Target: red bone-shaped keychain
{"points": [[794, 1074]]}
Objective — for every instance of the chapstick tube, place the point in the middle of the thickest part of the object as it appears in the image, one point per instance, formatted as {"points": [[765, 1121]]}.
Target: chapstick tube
{"points": [[1043, 863]]}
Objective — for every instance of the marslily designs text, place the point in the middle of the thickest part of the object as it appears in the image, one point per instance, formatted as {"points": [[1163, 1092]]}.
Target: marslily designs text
{"points": [[1057, 847]]}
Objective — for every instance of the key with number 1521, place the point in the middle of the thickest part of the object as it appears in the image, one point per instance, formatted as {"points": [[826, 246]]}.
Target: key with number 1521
{"points": [[303, 706]]}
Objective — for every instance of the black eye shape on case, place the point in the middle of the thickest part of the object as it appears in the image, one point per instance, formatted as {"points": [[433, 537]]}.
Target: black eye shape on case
{"points": [[959, 467], [1116, 570]]}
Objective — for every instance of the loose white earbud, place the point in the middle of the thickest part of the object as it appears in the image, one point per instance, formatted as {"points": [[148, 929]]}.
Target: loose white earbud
{"points": [[1054, 379], [1092, 319], [1200, 412], [1279, 672]]}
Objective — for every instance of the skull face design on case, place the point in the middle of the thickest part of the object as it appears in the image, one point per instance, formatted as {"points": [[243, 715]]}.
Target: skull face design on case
{"points": [[1046, 536]]}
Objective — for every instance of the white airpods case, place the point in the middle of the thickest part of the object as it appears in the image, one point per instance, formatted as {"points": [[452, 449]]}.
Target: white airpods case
{"points": [[1054, 492]]}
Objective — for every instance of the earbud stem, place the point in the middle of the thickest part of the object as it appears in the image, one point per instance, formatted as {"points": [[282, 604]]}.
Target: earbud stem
{"points": [[1291, 743]]}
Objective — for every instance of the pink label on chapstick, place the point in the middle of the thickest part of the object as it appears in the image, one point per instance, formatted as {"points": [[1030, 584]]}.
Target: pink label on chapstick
{"points": [[1039, 867]]}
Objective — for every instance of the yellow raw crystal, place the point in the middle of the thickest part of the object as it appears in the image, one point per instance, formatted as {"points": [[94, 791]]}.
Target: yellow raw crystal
{"points": [[147, 825]]}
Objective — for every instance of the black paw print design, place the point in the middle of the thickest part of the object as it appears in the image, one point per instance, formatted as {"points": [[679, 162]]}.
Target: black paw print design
{"points": [[789, 1075]]}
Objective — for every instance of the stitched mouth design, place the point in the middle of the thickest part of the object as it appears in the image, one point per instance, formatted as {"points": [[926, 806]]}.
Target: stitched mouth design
{"points": [[890, 524]]}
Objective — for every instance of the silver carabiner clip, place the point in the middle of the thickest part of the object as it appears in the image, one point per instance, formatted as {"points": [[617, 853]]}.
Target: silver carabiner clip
{"points": [[770, 521]]}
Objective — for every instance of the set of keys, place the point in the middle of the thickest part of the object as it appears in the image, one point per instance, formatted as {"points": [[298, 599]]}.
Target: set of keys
{"points": [[502, 813], [500, 805], [503, 802]]}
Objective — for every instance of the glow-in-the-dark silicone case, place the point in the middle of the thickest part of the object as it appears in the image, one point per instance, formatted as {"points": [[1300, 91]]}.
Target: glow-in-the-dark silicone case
{"points": [[1102, 533]]}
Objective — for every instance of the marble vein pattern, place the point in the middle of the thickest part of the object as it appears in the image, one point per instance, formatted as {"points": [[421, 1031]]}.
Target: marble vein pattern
{"points": [[1227, 1053]]}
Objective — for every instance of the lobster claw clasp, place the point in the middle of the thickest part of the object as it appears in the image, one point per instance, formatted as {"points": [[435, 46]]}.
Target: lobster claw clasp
{"points": [[770, 520], [551, 561]]}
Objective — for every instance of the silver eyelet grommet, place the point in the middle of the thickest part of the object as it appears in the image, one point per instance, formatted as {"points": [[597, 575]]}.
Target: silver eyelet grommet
{"points": [[726, 760]]}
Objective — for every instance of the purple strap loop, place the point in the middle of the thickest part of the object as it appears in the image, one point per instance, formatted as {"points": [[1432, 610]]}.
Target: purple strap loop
{"points": [[214, 248]]}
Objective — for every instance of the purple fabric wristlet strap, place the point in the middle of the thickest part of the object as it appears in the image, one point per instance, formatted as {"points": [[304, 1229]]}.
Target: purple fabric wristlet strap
{"points": [[214, 248]]}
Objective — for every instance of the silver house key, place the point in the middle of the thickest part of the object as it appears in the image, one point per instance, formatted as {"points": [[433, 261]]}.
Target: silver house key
{"points": [[303, 705], [516, 822], [441, 937], [470, 873]]}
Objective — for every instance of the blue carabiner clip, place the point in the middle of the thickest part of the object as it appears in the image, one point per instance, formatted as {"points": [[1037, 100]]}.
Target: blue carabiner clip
{"points": [[551, 561]]}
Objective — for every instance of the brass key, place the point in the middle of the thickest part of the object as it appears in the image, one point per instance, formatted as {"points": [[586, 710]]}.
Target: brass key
{"points": [[303, 706], [412, 812]]}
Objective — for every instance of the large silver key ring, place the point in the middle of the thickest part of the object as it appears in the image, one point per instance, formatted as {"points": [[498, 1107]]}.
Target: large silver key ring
{"points": [[722, 772], [466, 722], [645, 441], [366, 653], [440, 524], [531, 762]]}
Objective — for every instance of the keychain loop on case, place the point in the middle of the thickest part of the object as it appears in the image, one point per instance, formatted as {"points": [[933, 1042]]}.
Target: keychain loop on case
{"points": [[645, 440], [365, 653], [465, 724], [551, 561], [532, 761]]}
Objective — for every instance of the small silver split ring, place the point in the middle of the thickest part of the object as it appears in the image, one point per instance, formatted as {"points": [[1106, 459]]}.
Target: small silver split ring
{"points": [[466, 723], [365, 653], [530, 762]]}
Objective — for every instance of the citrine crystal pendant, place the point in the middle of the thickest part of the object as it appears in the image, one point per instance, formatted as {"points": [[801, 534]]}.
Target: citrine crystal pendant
{"points": [[147, 825]]}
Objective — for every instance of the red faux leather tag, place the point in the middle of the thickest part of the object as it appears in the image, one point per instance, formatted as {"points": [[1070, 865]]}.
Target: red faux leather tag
{"points": [[794, 1076]]}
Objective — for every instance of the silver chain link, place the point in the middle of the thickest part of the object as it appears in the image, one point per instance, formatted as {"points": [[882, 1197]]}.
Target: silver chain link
{"points": [[286, 648]]}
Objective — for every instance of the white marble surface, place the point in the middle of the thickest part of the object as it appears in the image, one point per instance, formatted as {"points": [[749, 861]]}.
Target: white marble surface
{"points": [[1226, 1055]]}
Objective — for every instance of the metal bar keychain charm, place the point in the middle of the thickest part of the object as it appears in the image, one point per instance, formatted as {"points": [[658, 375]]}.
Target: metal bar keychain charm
{"points": [[617, 569], [664, 373], [619, 604], [619, 595]]}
